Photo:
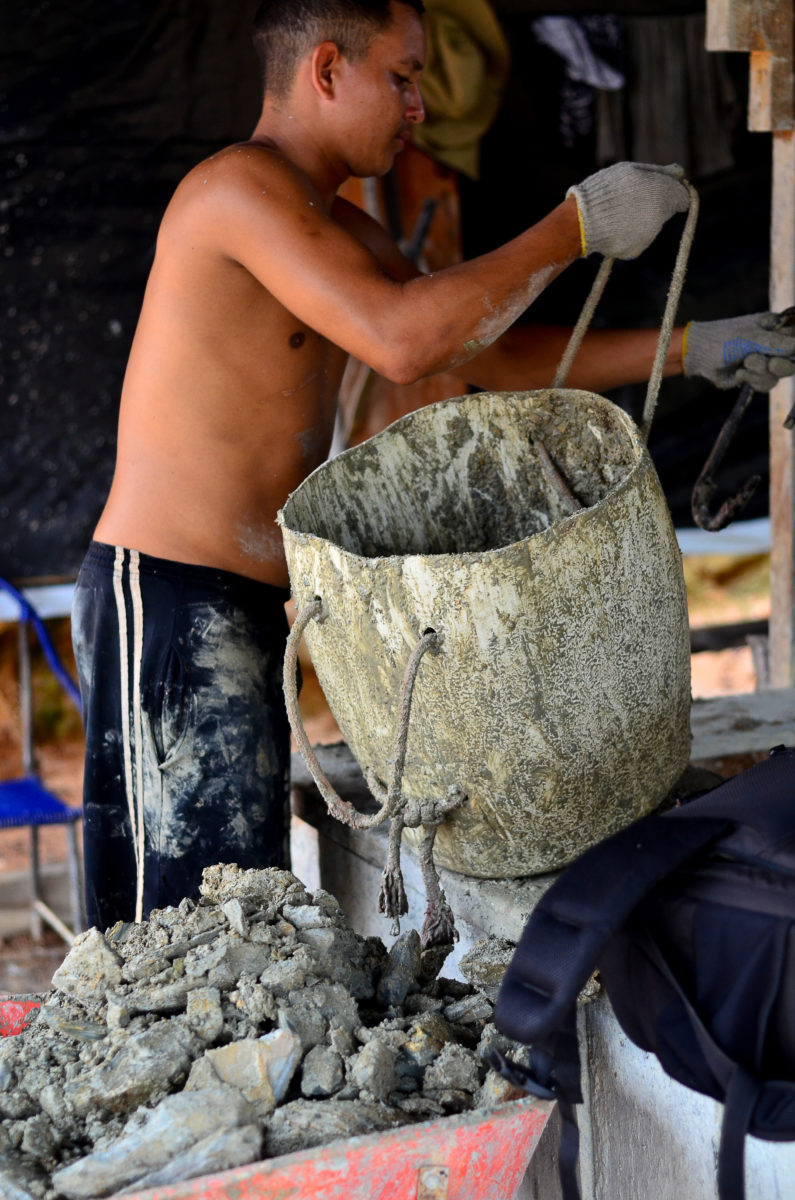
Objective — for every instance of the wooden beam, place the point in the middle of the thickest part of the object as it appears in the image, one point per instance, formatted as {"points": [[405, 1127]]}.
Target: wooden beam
{"points": [[766, 30], [782, 446]]}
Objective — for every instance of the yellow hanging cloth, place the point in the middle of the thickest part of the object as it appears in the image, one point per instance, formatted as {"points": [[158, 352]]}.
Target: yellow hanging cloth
{"points": [[463, 82]]}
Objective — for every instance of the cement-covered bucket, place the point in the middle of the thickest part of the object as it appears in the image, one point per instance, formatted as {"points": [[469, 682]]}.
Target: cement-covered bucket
{"points": [[558, 696]]}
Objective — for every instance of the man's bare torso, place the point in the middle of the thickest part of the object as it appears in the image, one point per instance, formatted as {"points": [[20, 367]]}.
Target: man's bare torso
{"points": [[228, 401]]}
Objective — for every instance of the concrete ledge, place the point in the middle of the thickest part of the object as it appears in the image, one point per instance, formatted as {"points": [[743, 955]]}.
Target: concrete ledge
{"points": [[744, 724]]}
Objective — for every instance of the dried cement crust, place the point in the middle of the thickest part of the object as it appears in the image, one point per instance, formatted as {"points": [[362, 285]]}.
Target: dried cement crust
{"points": [[559, 698]]}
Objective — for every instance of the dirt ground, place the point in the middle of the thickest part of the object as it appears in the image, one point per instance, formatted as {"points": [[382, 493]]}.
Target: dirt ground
{"points": [[721, 590]]}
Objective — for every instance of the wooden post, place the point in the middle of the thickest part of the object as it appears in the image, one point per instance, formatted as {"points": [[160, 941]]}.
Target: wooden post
{"points": [[766, 30]]}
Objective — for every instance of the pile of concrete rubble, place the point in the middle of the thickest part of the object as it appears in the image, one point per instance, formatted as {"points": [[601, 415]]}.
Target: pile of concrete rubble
{"points": [[246, 1026]]}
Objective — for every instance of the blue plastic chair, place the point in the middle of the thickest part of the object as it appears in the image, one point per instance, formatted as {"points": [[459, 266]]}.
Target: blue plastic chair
{"points": [[26, 800]]}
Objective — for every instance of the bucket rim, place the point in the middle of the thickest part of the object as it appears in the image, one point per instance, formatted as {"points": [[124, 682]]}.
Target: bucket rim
{"points": [[589, 512]]}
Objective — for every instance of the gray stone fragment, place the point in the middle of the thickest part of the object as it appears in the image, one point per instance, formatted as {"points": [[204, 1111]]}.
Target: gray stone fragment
{"points": [[373, 1069], [142, 1064], [302, 1124], [323, 1073], [427, 1036], [291, 973], [495, 1090], [269, 886], [455, 1068], [202, 1075], [255, 1000], [304, 1020], [470, 1011], [342, 1041], [80, 1031], [401, 972], [343, 958], [154, 1140], [308, 916], [20, 1179], [485, 964], [39, 1139], [236, 916], [90, 968], [204, 1013], [219, 1152], [261, 1068], [51, 1099], [118, 1013]]}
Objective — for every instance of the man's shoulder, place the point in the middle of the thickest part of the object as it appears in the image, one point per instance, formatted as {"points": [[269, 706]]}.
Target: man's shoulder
{"points": [[240, 166]]}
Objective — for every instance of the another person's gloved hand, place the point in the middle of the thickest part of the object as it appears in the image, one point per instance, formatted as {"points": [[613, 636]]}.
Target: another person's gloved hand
{"points": [[758, 349], [623, 208]]}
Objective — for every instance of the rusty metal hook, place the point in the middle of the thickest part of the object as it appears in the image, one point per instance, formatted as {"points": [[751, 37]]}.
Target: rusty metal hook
{"points": [[705, 486]]}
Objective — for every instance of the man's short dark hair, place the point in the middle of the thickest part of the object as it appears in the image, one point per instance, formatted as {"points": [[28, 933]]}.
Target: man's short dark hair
{"points": [[284, 30]]}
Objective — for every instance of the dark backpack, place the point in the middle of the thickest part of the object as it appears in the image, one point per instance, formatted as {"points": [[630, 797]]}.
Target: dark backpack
{"points": [[690, 918]]}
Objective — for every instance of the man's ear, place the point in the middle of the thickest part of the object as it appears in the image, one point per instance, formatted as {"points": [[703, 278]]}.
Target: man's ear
{"points": [[325, 64]]}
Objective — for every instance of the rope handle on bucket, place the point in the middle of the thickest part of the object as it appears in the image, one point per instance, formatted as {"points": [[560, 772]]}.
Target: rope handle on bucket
{"points": [[439, 927], [666, 326]]}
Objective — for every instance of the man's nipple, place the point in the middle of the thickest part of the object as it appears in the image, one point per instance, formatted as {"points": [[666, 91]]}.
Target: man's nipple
{"points": [[297, 339]]}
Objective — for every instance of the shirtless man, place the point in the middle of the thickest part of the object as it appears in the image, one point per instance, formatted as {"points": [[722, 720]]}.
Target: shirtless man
{"points": [[264, 281]]}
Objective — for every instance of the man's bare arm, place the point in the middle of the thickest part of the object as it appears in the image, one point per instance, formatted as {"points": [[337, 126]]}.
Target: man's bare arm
{"points": [[265, 215], [527, 356]]}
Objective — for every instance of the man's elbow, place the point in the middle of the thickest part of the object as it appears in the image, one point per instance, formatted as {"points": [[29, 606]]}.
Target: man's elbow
{"points": [[404, 364]]}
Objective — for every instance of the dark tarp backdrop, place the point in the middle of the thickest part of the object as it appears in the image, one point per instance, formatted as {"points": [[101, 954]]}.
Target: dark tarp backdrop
{"points": [[105, 104], [103, 108]]}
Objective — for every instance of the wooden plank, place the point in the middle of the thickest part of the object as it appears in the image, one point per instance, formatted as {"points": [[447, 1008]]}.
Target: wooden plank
{"points": [[730, 25], [771, 97], [782, 445], [730, 725]]}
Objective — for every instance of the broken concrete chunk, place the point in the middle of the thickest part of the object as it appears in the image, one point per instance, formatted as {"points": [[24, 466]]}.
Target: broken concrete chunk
{"points": [[261, 1068], [218, 1152], [472, 1010], [341, 957], [204, 1014], [455, 1068], [90, 968], [302, 1124], [427, 1037], [304, 1020], [20, 1179], [236, 916], [323, 1073], [486, 963], [401, 972], [270, 885], [148, 1144], [373, 1069], [79, 1031], [139, 1066], [495, 1090]]}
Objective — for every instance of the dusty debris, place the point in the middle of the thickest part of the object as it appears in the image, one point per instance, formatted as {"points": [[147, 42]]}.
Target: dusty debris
{"points": [[251, 1024]]}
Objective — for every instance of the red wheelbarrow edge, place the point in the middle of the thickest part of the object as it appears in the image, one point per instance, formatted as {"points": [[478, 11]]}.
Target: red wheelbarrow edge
{"points": [[485, 1153]]}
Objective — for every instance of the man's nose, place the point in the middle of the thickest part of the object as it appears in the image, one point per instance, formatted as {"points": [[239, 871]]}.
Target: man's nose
{"points": [[415, 110]]}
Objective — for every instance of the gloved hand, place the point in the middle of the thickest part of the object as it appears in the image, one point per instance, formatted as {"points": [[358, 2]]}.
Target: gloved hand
{"points": [[623, 208], [758, 349]]}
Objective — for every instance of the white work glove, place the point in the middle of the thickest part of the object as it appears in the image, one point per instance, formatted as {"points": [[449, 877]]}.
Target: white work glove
{"points": [[758, 349], [623, 208]]}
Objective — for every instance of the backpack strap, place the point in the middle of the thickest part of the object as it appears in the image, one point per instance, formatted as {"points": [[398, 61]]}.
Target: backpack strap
{"points": [[741, 1097], [560, 947], [591, 899]]}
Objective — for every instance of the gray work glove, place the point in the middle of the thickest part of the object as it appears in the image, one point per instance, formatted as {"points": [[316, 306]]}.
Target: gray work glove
{"points": [[623, 208], [758, 349]]}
